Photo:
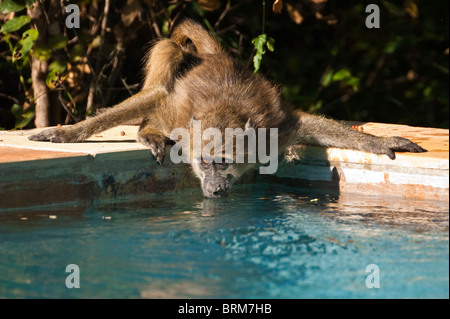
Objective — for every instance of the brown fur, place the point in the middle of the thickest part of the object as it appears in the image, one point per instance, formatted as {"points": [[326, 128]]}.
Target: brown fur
{"points": [[190, 76]]}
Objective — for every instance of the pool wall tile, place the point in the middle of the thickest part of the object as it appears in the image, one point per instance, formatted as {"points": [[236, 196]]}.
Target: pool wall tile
{"points": [[112, 165]]}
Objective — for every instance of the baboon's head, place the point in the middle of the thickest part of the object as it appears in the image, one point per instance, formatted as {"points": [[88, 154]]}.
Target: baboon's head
{"points": [[216, 177], [220, 155]]}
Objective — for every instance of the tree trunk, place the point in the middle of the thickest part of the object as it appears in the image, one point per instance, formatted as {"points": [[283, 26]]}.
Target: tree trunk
{"points": [[40, 91], [39, 70]]}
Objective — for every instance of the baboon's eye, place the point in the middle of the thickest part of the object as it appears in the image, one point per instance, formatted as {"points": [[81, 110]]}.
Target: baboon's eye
{"points": [[222, 165], [205, 164], [189, 45]]}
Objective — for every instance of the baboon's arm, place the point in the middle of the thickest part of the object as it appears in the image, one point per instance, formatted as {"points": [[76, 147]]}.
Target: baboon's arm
{"points": [[139, 105], [316, 130]]}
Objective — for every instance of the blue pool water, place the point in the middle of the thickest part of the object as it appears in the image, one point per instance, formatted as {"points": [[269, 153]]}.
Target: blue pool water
{"points": [[263, 241]]}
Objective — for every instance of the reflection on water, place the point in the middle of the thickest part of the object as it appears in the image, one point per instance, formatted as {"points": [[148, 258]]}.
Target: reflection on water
{"points": [[263, 241]]}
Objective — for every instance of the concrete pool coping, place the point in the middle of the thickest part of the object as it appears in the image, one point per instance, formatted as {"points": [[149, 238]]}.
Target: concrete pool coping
{"points": [[112, 164]]}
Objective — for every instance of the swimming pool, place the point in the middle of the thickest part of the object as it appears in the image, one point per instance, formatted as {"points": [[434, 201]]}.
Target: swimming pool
{"points": [[263, 241]]}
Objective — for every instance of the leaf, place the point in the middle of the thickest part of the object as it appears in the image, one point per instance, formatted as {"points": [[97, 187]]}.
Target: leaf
{"points": [[257, 62], [260, 43], [26, 118], [16, 110], [51, 79], [277, 6], [22, 118], [15, 24], [208, 25], [95, 42], [270, 44], [427, 91], [341, 75], [394, 9], [55, 69], [353, 82], [165, 28], [42, 52], [412, 9], [326, 78], [316, 106], [294, 14], [25, 44], [71, 99], [391, 46], [7, 6], [209, 5], [58, 41], [57, 66], [77, 53], [334, 50], [345, 76]]}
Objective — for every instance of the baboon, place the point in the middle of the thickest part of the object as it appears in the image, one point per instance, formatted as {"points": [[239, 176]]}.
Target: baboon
{"points": [[190, 76]]}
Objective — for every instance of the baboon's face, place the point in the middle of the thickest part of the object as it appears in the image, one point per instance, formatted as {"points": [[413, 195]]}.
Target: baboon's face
{"points": [[215, 177]]}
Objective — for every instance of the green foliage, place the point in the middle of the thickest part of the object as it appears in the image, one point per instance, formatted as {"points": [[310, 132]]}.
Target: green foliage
{"points": [[55, 69], [15, 24], [19, 48], [42, 51], [58, 41], [261, 42], [7, 6], [23, 118], [332, 64], [344, 76], [25, 44]]}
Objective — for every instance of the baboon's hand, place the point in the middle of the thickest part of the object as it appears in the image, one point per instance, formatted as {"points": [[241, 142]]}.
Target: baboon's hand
{"points": [[157, 145], [400, 144], [54, 135]]}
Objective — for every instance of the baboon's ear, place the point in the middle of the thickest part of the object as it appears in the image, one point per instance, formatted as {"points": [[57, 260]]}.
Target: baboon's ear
{"points": [[248, 125]]}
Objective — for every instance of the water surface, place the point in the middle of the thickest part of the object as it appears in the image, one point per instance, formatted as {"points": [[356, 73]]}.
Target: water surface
{"points": [[264, 241]]}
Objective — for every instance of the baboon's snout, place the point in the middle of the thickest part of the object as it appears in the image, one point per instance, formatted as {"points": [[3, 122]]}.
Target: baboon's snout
{"points": [[216, 190]]}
